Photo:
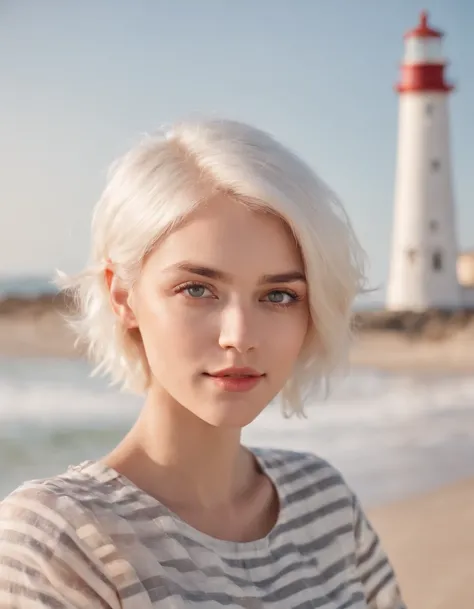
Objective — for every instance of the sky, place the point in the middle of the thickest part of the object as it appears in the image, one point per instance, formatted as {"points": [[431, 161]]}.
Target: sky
{"points": [[82, 81]]}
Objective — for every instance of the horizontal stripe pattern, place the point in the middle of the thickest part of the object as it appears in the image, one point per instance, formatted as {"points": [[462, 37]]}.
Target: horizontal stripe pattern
{"points": [[90, 538]]}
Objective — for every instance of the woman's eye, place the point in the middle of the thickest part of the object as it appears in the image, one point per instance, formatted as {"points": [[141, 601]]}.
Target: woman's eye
{"points": [[279, 297], [196, 291]]}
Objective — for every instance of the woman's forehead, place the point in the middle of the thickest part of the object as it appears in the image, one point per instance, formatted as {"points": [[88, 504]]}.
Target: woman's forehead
{"points": [[228, 233]]}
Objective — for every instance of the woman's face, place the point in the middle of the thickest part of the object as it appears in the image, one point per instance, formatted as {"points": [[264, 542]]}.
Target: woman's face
{"points": [[222, 308]]}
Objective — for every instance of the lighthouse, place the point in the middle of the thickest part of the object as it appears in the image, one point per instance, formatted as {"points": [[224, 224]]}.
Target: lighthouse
{"points": [[424, 245]]}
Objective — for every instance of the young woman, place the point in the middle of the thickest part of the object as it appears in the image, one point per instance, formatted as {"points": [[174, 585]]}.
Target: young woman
{"points": [[222, 275]]}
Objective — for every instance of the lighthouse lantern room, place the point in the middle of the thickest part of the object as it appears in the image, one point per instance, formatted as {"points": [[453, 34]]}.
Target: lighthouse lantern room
{"points": [[424, 245]]}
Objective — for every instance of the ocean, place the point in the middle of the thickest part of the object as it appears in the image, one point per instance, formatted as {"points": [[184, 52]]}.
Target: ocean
{"points": [[390, 435]]}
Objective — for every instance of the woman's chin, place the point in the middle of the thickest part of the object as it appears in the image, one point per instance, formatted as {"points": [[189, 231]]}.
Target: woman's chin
{"points": [[228, 415]]}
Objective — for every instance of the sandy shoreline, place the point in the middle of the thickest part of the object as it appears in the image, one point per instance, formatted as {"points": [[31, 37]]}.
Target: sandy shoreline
{"points": [[430, 541], [36, 331], [391, 352]]}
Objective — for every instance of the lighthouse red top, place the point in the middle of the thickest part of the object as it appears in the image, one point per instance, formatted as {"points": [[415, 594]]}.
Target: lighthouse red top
{"points": [[423, 30], [423, 65]]}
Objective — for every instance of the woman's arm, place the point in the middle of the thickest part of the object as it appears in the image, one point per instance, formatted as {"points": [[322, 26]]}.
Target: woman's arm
{"points": [[43, 564], [374, 569]]}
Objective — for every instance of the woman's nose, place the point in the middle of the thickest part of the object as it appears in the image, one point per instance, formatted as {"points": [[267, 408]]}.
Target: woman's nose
{"points": [[238, 329]]}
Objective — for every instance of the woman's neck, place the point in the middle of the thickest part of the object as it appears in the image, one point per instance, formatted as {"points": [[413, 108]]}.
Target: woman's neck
{"points": [[181, 460]]}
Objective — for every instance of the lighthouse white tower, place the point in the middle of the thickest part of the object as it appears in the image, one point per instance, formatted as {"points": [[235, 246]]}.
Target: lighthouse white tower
{"points": [[424, 245]]}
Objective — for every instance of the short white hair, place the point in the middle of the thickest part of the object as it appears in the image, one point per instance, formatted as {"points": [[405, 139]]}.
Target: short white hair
{"points": [[155, 185]]}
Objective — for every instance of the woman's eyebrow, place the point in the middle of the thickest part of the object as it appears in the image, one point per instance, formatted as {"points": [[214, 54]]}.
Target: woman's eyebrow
{"points": [[204, 271]]}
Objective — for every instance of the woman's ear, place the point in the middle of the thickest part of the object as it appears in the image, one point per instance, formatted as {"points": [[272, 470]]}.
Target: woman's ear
{"points": [[120, 299]]}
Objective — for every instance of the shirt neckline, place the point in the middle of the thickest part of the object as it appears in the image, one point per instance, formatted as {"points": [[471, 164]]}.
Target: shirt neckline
{"points": [[104, 473]]}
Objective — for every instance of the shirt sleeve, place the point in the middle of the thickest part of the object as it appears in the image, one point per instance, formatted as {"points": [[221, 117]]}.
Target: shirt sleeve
{"points": [[374, 568], [43, 564]]}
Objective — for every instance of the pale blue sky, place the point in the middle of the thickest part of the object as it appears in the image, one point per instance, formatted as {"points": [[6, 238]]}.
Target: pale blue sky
{"points": [[81, 80]]}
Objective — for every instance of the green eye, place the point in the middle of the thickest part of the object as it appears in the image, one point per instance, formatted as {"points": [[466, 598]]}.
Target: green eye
{"points": [[196, 291], [276, 297], [281, 297]]}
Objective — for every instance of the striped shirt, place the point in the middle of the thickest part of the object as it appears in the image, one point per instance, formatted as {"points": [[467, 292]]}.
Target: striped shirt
{"points": [[89, 538]]}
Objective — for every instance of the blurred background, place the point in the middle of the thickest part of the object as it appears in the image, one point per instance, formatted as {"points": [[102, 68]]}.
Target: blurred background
{"points": [[82, 81]]}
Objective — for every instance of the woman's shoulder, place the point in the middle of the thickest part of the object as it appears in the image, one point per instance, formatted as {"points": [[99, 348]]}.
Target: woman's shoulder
{"points": [[53, 505], [306, 477], [300, 463], [46, 554], [46, 508]]}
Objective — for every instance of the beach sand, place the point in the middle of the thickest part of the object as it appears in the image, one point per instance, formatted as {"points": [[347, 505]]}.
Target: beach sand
{"points": [[35, 328], [430, 541], [395, 352]]}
